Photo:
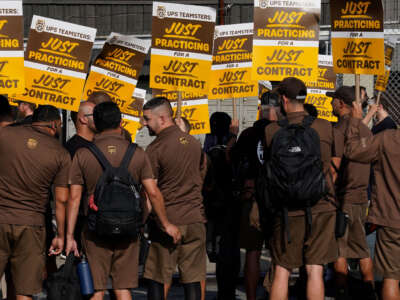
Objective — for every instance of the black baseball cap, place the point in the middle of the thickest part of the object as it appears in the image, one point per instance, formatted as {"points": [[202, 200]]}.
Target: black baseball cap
{"points": [[293, 88], [345, 93]]}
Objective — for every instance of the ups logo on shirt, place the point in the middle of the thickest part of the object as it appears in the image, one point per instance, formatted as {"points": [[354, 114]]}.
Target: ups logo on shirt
{"points": [[32, 143], [112, 149], [183, 141]]}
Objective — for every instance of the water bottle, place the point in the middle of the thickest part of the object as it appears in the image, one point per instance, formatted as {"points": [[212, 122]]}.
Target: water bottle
{"points": [[85, 277]]}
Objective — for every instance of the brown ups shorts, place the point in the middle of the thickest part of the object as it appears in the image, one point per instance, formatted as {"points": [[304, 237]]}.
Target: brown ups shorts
{"points": [[118, 259], [387, 252], [189, 255], [25, 248], [316, 248], [354, 242]]}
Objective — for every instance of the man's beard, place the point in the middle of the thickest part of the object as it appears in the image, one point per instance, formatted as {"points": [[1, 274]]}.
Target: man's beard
{"points": [[283, 112], [151, 132]]}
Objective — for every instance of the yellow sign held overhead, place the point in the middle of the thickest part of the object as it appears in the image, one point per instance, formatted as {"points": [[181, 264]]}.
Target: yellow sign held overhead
{"points": [[11, 48], [382, 80], [56, 62], [182, 42], [286, 39], [116, 70], [357, 37], [316, 90], [231, 69]]}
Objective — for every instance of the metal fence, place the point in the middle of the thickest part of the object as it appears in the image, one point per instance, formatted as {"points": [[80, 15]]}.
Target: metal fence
{"points": [[391, 98]]}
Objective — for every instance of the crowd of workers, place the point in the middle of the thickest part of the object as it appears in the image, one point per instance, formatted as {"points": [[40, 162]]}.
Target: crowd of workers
{"points": [[202, 201]]}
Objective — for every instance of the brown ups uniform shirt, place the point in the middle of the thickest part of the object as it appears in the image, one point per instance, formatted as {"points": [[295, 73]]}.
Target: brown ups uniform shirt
{"points": [[383, 150], [328, 138], [353, 177], [86, 170], [31, 161], [175, 157]]}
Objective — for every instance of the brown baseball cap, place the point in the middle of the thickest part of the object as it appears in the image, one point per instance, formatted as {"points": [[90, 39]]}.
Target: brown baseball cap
{"points": [[345, 93], [293, 88]]}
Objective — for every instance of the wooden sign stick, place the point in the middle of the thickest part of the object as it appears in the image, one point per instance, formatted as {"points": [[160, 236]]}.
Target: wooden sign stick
{"points": [[179, 106], [378, 98], [234, 108], [357, 84]]}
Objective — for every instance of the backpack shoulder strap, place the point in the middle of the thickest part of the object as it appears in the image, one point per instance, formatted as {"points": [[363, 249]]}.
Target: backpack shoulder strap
{"points": [[128, 155], [283, 123], [105, 164], [307, 121]]}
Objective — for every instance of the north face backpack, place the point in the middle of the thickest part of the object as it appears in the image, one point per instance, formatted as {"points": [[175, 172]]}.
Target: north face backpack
{"points": [[294, 170], [119, 204]]}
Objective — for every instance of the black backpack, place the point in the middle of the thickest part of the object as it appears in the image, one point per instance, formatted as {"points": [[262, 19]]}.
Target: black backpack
{"points": [[117, 197], [64, 283], [294, 170]]}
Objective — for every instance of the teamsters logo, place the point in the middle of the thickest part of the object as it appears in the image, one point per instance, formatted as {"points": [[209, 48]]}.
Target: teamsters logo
{"points": [[40, 25], [161, 12], [216, 33], [263, 3], [32, 143]]}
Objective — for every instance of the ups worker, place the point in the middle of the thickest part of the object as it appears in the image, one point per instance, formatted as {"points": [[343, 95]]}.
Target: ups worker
{"points": [[31, 160], [176, 158], [310, 248], [117, 258], [351, 191], [383, 150]]}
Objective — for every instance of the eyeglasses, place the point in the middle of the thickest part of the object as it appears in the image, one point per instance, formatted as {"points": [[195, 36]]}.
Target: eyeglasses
{"points": [[88, 115]]}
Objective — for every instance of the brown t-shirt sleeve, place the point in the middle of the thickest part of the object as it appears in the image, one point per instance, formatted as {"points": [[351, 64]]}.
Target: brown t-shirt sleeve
{"points": [[75, 172], [145, 171], [338, 143], [153, 157], [64, 164], [362, 149]]}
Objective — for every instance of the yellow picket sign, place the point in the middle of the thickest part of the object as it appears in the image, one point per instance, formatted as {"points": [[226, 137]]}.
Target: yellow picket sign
{"points": [[11, 48], [357, 37], [43, 87], [175, 73], [316, 90], [231, 68], [382, 80], [131, 124], [286, 39], [116, 70], [196, 112], [134, 107], [56, 62], [119, 91], [276, 63], [182, 42]]}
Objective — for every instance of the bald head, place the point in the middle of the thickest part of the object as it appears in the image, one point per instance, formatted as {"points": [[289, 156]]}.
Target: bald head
{"points": [[99, 97], [86, 108], [84, 120]]}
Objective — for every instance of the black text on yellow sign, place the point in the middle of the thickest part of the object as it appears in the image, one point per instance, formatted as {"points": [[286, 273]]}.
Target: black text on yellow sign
{"points": [[232, 83], [177, 73], [198, 117], [276, 63], [119, 91], [53, 89], [358, 55], [11, 75]]}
